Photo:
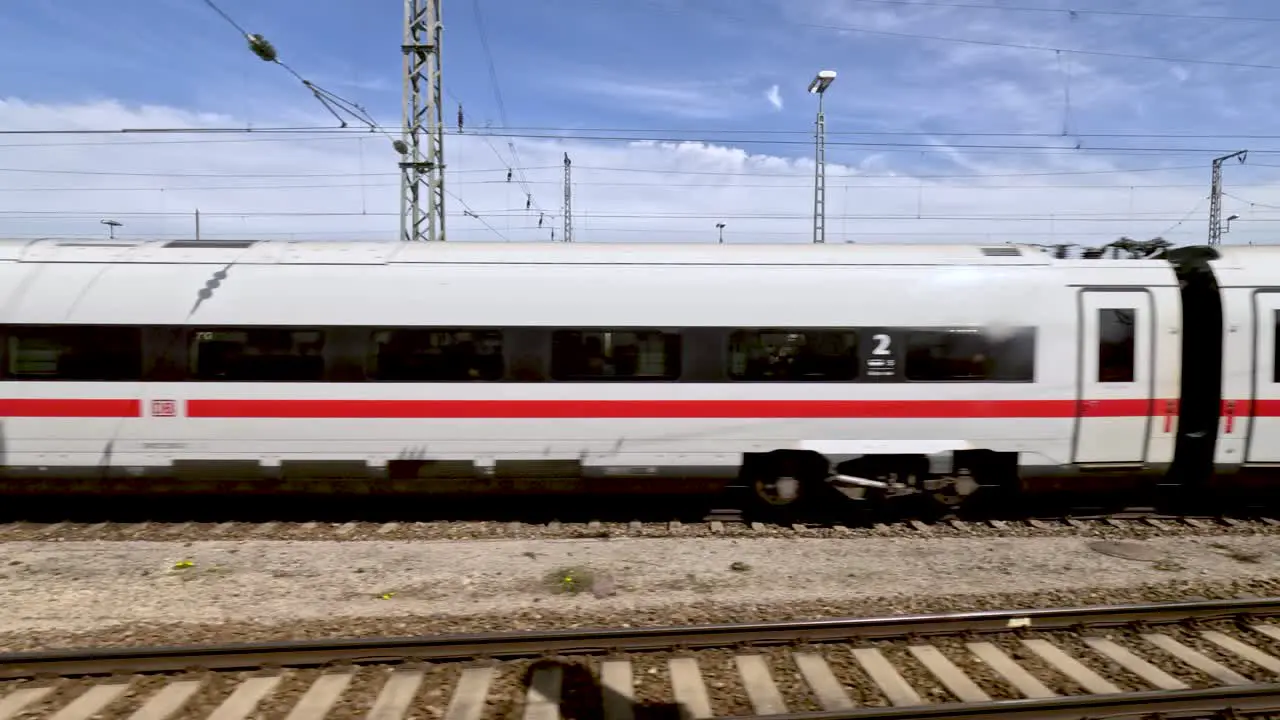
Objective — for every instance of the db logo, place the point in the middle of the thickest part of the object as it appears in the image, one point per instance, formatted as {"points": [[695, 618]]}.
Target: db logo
{"points": [[164, 408]]}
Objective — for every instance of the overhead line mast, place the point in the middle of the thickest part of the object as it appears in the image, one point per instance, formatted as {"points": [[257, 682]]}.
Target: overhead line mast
{"points": [[422, 145], [1215, 196]]}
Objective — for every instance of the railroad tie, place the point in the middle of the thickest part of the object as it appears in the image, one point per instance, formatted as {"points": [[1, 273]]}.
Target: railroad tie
{"points": [[1244, 650], [1196, 659], [321, 696], [1069, 666], [393, 701], [817, 673], [469, 697], [167, 701], [951, 677], [619, 690], [542, 701], [1012, 672], [241, 703], [19, 700], [91, 701], [1125, 658], [762, 692], [886, 677], [688, 688]]}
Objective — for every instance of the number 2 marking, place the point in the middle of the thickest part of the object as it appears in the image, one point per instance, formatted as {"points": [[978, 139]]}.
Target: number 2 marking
{"points": [[882, 344]]}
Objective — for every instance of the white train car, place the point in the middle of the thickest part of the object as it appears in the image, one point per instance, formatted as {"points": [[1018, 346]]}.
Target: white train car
{"points": [[1248, 416], [512, 366]]}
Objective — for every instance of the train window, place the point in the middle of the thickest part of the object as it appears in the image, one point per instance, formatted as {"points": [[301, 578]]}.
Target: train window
{"points": [[606, 354], [1116, 343], [793, 355], [74, 353], [257, 355], [971, 355], [1275, 347], [421, 355]]}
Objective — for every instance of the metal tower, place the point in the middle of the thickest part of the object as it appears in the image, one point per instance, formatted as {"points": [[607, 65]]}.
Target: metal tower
{"points": [[422, 145], [819, 87], [568, 201], [1215, 196]]}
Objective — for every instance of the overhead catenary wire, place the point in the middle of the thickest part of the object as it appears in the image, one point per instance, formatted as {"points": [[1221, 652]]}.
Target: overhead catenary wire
{"points": [[882, 146], [907, 184], [1154, 216], [1070, 12], [331, 101], [502, 108], [721, 14], [339, 131], [615, 169]]}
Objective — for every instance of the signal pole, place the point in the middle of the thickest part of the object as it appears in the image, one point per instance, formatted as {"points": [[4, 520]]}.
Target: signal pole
{"points": [[422, 144], [1215, 196], [568, 201]]}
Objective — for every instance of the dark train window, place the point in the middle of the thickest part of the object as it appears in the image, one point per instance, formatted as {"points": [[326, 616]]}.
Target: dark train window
{"points": [[420, 355], [257, 355], [971, 355], [74, 353], [793, 355], [606, 354], [1116, 343], [1275, 347]]}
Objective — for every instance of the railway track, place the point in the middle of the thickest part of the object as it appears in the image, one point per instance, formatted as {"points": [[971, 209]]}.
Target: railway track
{"points": [[715, 525], [1193, 659]]}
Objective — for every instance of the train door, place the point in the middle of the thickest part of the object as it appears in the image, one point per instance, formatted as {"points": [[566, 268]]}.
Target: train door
{"points": [[1113, 411], [1264, 428]]}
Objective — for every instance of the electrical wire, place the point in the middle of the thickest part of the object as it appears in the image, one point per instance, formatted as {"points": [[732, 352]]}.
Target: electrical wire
{"points": [[1154, 216], [350, 131], [723, 15], [502, 108], [912, 187], [1068, 12]]}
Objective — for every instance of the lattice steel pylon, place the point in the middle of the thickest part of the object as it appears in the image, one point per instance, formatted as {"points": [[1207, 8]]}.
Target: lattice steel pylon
{"points": [[422, 143], [820, 177], [1215, 196], [568, 200]]}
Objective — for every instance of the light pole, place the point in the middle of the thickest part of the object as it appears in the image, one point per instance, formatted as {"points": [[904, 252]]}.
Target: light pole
{"points": [[1227, 229], [111, 227], [720, 227], [819, 86]]}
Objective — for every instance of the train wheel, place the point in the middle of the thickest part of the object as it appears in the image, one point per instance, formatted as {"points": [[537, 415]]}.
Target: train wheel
{"points": [[785, 484]]}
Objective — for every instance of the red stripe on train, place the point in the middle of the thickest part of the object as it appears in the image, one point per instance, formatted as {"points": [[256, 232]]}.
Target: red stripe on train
{"points": [[653, 409], [659, 409], [70, 407]]}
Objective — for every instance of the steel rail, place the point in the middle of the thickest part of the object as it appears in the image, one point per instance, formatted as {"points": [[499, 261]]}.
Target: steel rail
{"points": [[1163, 704], [506, 645]]}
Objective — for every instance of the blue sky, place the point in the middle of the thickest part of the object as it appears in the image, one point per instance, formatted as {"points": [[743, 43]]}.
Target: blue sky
{"points": [[708, 69]]}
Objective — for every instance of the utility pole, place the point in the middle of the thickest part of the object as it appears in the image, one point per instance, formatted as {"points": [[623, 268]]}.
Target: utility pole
{"points": [[568, 201], [819, 87], [422, 144], [1215, 196], [197, 224]]}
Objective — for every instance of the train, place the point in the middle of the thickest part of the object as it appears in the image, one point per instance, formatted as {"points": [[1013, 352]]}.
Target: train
{"points": [[796, 372]]}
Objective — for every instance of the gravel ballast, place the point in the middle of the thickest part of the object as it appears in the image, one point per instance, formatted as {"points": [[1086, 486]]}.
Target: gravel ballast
{"points": [[76, 593]]}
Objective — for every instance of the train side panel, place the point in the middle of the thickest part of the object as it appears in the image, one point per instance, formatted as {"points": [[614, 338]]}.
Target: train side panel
{"points": [[1069, 417]]}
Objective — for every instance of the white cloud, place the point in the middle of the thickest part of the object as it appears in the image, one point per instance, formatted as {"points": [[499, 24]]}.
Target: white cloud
{"points": [[347, 188], [694, 100], [774, 97]]}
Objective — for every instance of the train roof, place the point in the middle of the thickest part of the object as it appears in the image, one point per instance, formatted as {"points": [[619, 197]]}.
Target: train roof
{"points": [[272, 252]]}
